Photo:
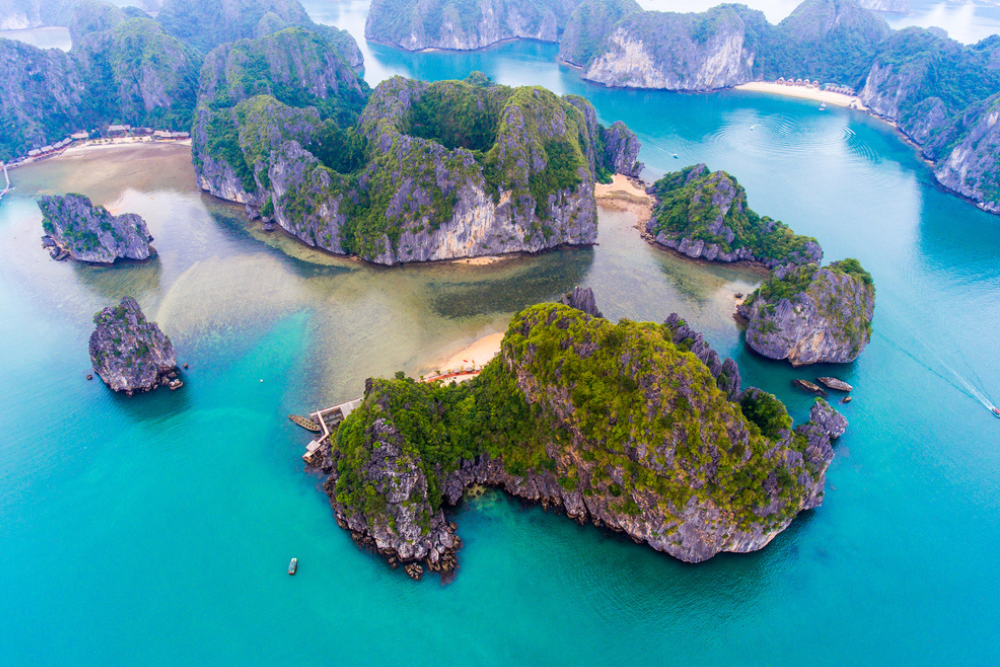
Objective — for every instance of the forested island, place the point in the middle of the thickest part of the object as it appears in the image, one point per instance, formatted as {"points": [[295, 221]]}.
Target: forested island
{"points": [[637, 427], [704, 214], [808, 314], [412, 171]]}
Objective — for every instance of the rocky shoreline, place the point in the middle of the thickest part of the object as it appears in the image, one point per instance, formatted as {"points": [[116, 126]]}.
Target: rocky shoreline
{"points": [[401, 524]]}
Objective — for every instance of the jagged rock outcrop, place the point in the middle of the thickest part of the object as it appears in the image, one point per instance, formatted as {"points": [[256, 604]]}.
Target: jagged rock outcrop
{"points": [[463, 26], [812, 315], [726, 373], [704, 214], [616, 424], [91, 234], [588, 26], [129, 353], [617, 147], [583, 300]]}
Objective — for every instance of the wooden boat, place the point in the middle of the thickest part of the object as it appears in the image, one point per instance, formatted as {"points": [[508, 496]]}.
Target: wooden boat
{"points": [[810, 387], [834, 383], [305, 423], [293, 566]]}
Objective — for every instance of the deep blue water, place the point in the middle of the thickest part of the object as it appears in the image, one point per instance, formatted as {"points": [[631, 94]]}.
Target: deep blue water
{"points": [[156, 530]]}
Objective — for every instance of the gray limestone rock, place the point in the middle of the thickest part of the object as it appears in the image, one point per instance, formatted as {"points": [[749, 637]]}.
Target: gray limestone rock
{"points": [[91, 234], [130, 354]]}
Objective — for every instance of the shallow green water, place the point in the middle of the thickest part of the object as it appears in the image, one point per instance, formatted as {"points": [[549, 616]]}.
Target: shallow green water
{"points": [[157, 530]]}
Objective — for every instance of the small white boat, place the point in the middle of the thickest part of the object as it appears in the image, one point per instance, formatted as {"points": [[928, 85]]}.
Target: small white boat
{"points": [[675, 156], [822, 107], [293, 566]]}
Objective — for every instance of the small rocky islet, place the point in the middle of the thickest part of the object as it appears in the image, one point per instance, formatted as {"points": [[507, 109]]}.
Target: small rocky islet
{"points": [[77, 229], [811, 314], [636, 427], [129, 353]]}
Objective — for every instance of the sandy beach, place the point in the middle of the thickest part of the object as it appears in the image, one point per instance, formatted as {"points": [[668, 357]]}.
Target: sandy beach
{"points": [[476, 354], [834, 99], [622, 194]]}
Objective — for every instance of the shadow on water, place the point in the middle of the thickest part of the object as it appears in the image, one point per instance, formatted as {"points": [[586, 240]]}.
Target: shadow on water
{"points": [[158, 405], [139, 280], [523, 282]]}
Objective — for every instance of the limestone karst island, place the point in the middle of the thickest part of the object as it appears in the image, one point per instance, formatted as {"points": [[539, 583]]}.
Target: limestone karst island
{"points": [[499, 332]]}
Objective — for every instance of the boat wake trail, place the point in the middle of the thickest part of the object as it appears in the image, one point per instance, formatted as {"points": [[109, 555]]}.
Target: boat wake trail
{"points": [[969, 384]]}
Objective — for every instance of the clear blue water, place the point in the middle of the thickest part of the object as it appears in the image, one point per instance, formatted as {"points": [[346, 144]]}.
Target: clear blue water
{"points": [[156, 530]]}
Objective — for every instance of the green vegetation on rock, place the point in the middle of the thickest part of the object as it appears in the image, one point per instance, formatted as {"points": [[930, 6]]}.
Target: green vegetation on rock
{"points": [[616, 411], [709, 210]]}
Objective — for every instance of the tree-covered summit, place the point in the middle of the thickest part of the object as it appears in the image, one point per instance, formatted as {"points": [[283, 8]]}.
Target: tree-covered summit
{"points": [[617, 423], [702, 213]]}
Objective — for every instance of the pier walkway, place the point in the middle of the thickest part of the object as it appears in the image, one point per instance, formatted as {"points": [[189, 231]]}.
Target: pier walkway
{"points": [[6, 178], [329, 418]]}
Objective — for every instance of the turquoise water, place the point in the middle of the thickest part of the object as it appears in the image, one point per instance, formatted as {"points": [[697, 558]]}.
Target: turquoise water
{"points": [[157, 530]]}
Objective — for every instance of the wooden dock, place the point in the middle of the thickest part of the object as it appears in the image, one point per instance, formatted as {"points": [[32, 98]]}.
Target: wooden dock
{"points": [[6, 177]]}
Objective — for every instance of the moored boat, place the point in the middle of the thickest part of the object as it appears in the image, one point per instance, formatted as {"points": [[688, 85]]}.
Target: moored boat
{"points": [[834, 383], [306, 423], [810, 387]]}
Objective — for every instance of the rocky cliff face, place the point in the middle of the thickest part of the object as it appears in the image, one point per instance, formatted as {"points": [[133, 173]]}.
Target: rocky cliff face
{"points": [[678, 51], [942, 94], [588, 26], [966, 150], [91, 234], [430, 172], [463, 26], [812, 315], [583, 300], [704, 214], [129, 353], [654, 450]]}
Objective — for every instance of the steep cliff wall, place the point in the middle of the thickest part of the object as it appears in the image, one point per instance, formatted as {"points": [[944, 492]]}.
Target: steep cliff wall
{"points": [[464, 25], [617, 424], [678, 51], [23, 14], [812, 315], [589, 25]]}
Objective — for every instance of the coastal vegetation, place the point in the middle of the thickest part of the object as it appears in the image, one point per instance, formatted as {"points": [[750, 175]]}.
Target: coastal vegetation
{"points": [[384, 175], [707, 212], [616, 422]]}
